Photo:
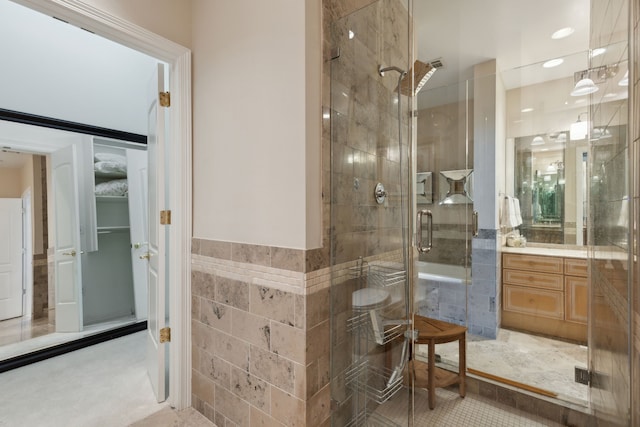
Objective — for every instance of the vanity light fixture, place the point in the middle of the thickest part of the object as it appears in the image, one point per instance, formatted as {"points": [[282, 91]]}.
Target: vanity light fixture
{"points": [[538, 140], [579, 129], [584, 86], [553, 63], [562, 33]]}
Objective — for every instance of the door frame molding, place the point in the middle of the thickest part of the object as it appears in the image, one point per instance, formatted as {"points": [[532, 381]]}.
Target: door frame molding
{"points": [[178, 57]]}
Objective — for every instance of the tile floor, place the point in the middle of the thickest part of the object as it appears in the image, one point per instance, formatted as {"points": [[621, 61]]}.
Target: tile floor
{"points": [[537, 361], [106, 385], [453, 411], [20, 336], [21, 329]]}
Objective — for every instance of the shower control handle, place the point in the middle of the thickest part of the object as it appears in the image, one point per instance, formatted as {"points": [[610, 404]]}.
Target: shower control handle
{"points": [[424, 249]]}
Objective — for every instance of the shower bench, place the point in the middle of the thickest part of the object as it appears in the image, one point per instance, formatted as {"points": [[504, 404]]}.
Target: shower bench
{"points": [[427, 375]]}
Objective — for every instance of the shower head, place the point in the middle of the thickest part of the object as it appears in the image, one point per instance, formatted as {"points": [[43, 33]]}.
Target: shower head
{"points": [[421, 72]]}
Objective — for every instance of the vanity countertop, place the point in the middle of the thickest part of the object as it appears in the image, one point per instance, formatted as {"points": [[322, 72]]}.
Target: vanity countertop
{"points": [[546, 251]]}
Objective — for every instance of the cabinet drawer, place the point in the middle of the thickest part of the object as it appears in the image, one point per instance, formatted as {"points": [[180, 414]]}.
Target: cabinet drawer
{"points": [[533, 279], [575, 267], [545, 264], [577, 294], [536, 302]]}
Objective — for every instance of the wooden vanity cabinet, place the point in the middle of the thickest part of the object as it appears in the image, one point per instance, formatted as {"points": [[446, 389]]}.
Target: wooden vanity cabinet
{"points": [[545, 295], [576, 290]]}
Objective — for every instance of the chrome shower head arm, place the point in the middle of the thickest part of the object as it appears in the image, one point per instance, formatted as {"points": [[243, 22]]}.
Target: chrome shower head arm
{"points": [[382, 70]]}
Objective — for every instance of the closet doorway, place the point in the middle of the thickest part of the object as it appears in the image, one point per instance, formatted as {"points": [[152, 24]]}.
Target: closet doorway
{"points": [[175, 177]]}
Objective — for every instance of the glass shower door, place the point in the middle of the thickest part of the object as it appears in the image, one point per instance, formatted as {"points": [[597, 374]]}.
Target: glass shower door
{"points": [[370, 240]]}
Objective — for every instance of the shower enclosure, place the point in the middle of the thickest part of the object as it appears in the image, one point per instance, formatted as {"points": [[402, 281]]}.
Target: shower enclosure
{"points": [[371, 253]]}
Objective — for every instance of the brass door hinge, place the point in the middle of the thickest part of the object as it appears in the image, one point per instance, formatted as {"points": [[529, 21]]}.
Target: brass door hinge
{"points": [[165, 217], [165, 99], [165, 335]]}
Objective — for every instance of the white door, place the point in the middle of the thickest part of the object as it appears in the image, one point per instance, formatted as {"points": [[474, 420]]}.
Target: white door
{"points": [[10, 258], [138, 220], [68, 292], [157, 352]]}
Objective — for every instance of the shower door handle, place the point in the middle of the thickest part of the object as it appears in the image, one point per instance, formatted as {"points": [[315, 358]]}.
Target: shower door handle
{"points": [[424, 249], [474, 217]]}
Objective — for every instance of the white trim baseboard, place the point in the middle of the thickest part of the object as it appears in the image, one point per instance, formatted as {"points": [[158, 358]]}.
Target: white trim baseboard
{"points": [[178, 57]]}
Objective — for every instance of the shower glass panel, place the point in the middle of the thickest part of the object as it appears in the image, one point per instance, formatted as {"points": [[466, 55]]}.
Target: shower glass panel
{"points": [[370, 237], [444, 148]]}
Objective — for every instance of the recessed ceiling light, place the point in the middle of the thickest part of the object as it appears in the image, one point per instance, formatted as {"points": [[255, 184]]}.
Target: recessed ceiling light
{"points": [[526, 110], [562, 33], [598, 51], [610, 95], [553, 63]]}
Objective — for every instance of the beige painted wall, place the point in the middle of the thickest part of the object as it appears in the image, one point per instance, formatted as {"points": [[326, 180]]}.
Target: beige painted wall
{"points": [[26, 179], [256, 113], [11, 183], [256, 122], [169, 18]]}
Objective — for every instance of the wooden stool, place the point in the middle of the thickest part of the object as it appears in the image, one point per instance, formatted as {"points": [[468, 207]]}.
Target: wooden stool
{"points": [[432, 332]]}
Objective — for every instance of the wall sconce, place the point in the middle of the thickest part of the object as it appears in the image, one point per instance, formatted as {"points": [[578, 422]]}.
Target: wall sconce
{"points": [[579, 129]]}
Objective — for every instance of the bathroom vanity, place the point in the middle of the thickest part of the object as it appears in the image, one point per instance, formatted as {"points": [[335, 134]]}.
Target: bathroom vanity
{"points": [[545, 291]]}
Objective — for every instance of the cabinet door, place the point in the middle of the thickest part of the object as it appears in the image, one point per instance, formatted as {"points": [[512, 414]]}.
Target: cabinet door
{"points": [[576, 291], [536, 302]]}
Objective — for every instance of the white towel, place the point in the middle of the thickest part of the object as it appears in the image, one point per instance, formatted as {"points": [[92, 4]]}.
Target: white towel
{"points": [[516, 205], [511, 217]]}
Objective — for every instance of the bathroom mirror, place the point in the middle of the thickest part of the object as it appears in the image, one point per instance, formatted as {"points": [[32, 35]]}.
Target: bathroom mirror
{"points": [[456, 187], [549, 182]]}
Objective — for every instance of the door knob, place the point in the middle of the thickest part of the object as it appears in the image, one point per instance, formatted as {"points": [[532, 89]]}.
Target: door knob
{"points": [[72, 253]]}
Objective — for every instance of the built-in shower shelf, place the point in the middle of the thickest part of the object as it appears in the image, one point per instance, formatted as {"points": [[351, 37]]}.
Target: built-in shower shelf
{"points": [[373, 381], [382, 333], [380, 273]]}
